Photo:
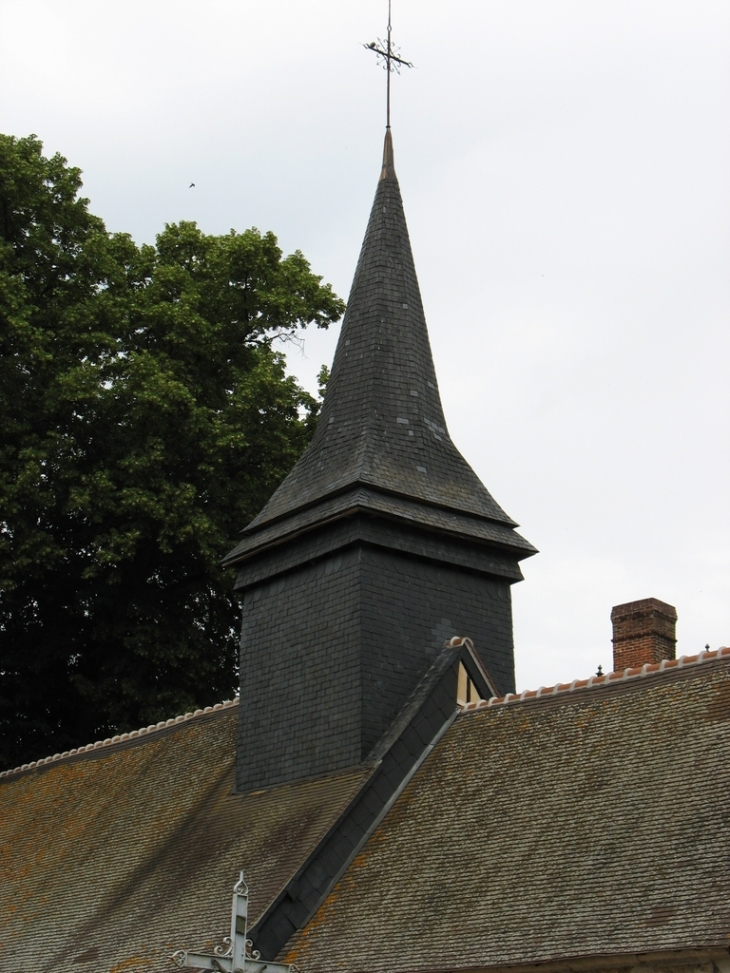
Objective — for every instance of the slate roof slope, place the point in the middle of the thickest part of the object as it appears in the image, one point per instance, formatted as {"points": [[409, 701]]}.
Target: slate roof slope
{"points": [[585, 823], [382, 424], [114, 858]]}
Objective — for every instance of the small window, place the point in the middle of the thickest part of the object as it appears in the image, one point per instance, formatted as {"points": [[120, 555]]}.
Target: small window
{"points": [[466, 691]]}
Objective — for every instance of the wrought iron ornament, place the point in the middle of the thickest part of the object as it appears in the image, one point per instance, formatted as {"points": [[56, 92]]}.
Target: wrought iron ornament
{"points": [[388, 57], [237, 954]]}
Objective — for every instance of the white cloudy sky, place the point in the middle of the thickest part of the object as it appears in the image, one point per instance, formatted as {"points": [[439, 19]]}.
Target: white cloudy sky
{"points": [[564, 166]]}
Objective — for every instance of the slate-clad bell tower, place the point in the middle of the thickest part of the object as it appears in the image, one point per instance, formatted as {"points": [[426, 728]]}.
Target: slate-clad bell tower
{"points": [[378, 546]]}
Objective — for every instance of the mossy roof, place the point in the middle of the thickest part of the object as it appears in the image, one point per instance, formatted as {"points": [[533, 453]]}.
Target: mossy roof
{"points": [[114, 858], [584, 822]]}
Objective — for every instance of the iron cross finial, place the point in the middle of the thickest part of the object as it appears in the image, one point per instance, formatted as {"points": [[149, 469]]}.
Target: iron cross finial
{"points": [[388, 55]]}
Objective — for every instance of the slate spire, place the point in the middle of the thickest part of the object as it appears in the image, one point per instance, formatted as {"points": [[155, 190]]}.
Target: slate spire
{"points": [[379, 546], [382, 426]]}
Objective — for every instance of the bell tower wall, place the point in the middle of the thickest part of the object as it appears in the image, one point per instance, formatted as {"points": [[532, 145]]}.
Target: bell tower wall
{"points": [[331, 651]]}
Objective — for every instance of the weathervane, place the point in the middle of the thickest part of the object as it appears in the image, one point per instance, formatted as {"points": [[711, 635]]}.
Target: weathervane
{"points": [[388, 55]]}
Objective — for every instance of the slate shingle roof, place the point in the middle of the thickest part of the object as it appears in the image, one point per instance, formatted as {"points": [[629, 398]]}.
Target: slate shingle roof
{"points": [[584, 823], [382, 426], [113, 858], [591, 819]]}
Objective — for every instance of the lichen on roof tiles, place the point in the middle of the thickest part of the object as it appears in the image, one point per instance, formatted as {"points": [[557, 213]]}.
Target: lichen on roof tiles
{"points": [[148, 835], [581, 824]]}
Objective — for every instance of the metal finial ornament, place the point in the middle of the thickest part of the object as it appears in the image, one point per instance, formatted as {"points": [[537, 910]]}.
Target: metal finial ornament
{"points": [[237, 954], [388, 56]]}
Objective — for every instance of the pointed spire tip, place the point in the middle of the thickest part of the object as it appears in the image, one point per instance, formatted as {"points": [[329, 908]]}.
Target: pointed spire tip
{"points": [[388, 170]]}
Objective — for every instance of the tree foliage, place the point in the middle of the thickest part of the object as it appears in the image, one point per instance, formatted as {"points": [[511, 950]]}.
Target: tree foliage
{"points": [[146, 417]]}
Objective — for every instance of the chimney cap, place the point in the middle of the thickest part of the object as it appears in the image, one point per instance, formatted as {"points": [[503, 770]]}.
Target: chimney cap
{"points": [[645, 605]]}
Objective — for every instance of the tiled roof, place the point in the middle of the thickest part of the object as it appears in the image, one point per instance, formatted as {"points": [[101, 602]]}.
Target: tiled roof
{"points": [[603, 680], [120, 738], [382, 424], [609, 678], [589, 820], [115, 856]]}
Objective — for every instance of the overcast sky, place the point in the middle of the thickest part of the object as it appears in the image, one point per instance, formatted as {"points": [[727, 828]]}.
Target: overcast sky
{"points": [[564, 168]]}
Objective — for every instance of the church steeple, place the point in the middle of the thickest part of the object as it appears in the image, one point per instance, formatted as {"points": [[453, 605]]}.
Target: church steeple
{"points": [[382, 426], [380, 544]]}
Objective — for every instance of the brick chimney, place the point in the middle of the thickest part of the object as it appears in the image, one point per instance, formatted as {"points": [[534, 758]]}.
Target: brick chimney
{"points": [[643, 632]]}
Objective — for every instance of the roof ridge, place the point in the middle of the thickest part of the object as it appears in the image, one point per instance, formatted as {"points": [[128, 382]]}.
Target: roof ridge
{"points": [[121, 737], [595, 682]]}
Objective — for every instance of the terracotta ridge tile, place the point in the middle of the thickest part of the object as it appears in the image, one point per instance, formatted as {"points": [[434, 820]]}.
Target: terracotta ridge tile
{"points": [[594, 682], [122, 737]]}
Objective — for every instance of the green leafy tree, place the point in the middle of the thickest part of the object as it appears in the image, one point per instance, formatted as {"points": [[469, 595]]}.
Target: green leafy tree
{"points": [[146, 417]]}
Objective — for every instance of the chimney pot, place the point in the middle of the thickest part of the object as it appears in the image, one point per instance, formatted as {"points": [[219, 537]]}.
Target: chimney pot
{"points": [[644, 632]]}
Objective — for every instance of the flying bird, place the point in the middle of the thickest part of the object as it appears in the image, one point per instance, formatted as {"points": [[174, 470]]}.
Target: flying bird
{"points": [[191, 185]]}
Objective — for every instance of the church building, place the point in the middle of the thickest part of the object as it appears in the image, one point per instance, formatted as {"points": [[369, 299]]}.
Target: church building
{"points": [[394, 805]]}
